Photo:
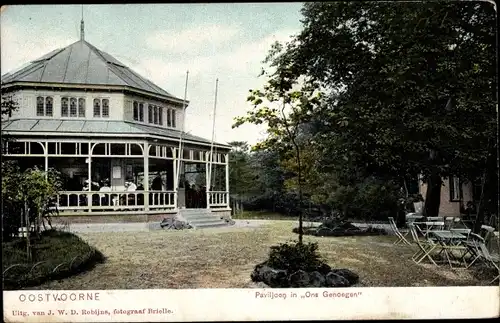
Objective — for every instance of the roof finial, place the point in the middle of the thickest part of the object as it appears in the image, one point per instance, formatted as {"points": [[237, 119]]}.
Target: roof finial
{"points": [[82, 28]]}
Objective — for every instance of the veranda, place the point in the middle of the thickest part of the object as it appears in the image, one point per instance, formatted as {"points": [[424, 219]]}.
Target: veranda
{"points": [[128, 175]]}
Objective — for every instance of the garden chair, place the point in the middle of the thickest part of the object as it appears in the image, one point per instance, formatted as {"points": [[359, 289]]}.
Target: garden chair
{"points": [[401, 237], [449, 222], [419, 207], [424, 247], [487, 234], [479, 251]]}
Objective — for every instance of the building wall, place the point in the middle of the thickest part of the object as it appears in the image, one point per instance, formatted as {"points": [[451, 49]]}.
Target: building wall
{"points": [[448, 207], [27, 103]]}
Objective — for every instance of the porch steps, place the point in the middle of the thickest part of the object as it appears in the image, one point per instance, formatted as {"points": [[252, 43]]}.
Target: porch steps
{"points": [[201, 218]]}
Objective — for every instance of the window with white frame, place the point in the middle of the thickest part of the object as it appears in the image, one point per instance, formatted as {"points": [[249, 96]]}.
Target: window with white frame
{"points": [[155, 114], [101, 108], [138, 111], [72, 107], [81, 107], [171, 118], [455, 189], [150, 113], [44, 106], [172, 111]]}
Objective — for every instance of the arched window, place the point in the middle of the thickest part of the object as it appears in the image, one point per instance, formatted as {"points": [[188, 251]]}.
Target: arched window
{"points": [[173, 118], [40, 110], [72, 107], [155, 114], [136, 111], [105, 108], [141, 112], [81, 107], [64, 107], [97, 108], [49, 106], [169, 118], [150, 113]]}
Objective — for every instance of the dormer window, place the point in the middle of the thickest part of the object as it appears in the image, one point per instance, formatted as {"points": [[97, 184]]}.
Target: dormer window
{"points": [[44, 106], [101, 108], [72, 107]]}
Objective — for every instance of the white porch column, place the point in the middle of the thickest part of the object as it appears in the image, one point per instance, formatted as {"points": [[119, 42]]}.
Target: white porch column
{"points": [[46, 151], [208, 177], [89, 174], [227, 180], [145, 181], [176, 179]]}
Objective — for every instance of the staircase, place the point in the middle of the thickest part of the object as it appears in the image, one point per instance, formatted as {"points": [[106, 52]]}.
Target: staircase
{"points": [[201, 218]]}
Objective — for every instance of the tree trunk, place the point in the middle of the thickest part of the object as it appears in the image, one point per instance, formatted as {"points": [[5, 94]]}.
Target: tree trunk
{"points": [[481, 206], [28, 225], [433, 195]]}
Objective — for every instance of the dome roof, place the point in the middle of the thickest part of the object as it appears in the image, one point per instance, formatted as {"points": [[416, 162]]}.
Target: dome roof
{"points": [[82, 63]]}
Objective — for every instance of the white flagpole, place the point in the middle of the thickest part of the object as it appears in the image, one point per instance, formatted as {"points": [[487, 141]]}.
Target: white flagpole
{"points": [[213, 136], [181, 135]]}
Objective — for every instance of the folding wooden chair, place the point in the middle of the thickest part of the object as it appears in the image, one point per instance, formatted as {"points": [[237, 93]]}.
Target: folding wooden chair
{"points": [[424, 247], [401, 237], [479, 251], [489, 259], [448, 222]]}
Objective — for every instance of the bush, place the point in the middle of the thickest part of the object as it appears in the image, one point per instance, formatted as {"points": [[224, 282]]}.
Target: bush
{"points": [[55, 255], [295, 256], [370, 199]]}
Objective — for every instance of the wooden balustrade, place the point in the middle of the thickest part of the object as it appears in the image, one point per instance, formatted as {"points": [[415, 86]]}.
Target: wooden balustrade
{"points": [[113, 200], [218, 198]]}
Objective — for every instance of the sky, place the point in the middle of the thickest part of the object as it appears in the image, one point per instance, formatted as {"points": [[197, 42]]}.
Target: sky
{"points": [[161, 42]]}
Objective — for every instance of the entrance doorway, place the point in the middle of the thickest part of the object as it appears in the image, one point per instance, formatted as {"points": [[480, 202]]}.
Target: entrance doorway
{"points": [[194, 182]]}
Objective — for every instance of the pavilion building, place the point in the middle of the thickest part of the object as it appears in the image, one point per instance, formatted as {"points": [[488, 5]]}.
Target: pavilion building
{"points": [[115, 137]]}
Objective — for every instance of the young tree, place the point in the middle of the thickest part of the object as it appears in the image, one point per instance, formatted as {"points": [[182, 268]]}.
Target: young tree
{"points": [[283, 109]]}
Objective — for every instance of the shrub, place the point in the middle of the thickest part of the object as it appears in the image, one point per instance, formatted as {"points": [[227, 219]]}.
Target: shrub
{"points": [[295, 256]]}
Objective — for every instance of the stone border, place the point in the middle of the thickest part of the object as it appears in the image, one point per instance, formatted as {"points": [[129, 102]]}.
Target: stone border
{"points": [[327, 232], [322, 277]]}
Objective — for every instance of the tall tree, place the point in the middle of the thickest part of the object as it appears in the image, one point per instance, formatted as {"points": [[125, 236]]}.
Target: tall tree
{"points": [[411, 86]]}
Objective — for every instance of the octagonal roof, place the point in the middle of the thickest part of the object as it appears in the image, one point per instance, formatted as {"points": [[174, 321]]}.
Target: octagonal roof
{"points": [[82, 63]]}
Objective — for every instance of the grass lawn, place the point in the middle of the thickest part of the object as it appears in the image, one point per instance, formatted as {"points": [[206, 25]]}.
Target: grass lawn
{"points": [[55, 254], [224, 258]]}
